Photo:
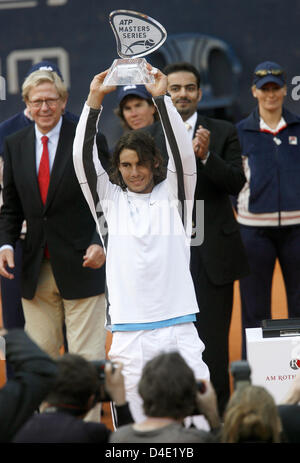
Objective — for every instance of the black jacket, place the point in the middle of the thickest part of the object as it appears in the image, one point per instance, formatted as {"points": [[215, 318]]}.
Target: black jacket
{"points": [[64, 223], [35, 374], [63, 428]]}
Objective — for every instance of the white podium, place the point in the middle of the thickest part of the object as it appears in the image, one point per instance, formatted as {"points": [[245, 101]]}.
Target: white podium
{"points": [[274, 362]]}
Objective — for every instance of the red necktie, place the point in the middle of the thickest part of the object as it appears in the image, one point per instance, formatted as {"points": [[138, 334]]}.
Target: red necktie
{"points": [[44, 170], [44, 177]]}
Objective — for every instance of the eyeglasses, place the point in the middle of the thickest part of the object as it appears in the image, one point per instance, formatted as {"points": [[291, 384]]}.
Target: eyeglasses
{"points": [[265, 72], [50, 102]]}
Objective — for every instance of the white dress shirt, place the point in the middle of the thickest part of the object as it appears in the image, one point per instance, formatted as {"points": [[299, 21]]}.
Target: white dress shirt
{"points": [[53, 137], [190, 124]]}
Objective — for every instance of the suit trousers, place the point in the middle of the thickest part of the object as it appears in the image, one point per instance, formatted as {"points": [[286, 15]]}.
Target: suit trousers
{"points": [[12, 310], [263, 246], [213, 325], [84, 319]]}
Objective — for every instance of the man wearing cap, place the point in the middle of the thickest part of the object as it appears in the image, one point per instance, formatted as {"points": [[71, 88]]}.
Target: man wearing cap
{"points": [[62, 276], [137, 111], [269, 204], [12, 311], [135, 107]]}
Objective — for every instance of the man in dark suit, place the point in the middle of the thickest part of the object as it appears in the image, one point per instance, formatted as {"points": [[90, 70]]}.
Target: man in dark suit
{"points": [[220, 259], [62, 278], [12, 310]]}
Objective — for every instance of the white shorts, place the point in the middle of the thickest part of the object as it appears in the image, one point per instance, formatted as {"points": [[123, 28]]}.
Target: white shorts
{"points": [[135, 348]]}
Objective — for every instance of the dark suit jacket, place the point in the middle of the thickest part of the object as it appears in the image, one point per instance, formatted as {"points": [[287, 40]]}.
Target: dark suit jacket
{"points": [[222, 251], [65, 222]]}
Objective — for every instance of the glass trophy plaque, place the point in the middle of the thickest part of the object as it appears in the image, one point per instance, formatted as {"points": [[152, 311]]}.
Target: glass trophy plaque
{"points": [[137, 35]]}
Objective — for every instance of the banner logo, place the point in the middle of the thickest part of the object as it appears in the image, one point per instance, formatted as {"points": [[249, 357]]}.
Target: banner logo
{"points": [[295, 364], [2, 88], [2, 348], [295, 355]]}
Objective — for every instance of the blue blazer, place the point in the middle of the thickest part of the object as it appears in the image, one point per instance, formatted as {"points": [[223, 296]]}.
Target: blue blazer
{"points": [[274, 162]]}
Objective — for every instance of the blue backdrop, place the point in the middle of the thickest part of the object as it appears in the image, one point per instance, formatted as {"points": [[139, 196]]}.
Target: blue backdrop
{"points": [[77, 35]]}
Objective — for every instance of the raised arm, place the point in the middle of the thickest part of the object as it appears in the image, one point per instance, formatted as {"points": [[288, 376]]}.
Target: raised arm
{"points": [[91, 174], [182, 163], [98, 90]]}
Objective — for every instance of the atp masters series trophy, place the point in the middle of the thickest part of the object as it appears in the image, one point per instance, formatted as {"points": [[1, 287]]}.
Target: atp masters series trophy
{"points": [[137, 35]]}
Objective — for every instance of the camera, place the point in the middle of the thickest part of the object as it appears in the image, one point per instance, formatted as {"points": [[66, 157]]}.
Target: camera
{"points": [[102, 395], [201, 386], [241, 373]]}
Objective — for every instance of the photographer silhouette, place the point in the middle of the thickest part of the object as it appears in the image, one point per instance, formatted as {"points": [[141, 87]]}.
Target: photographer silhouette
{"points": [[74, 394]]}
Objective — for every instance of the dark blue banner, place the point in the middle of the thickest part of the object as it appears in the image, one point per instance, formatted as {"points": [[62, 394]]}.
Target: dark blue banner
{"points": [[76, 35]]}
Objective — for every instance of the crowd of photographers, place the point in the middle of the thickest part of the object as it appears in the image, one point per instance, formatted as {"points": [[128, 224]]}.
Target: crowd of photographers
{"points": [[47, 401]]}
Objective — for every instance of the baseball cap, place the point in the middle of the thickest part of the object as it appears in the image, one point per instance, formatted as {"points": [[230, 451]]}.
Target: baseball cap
{"points": [[45, 66], [268, 71], [136, 90]]}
